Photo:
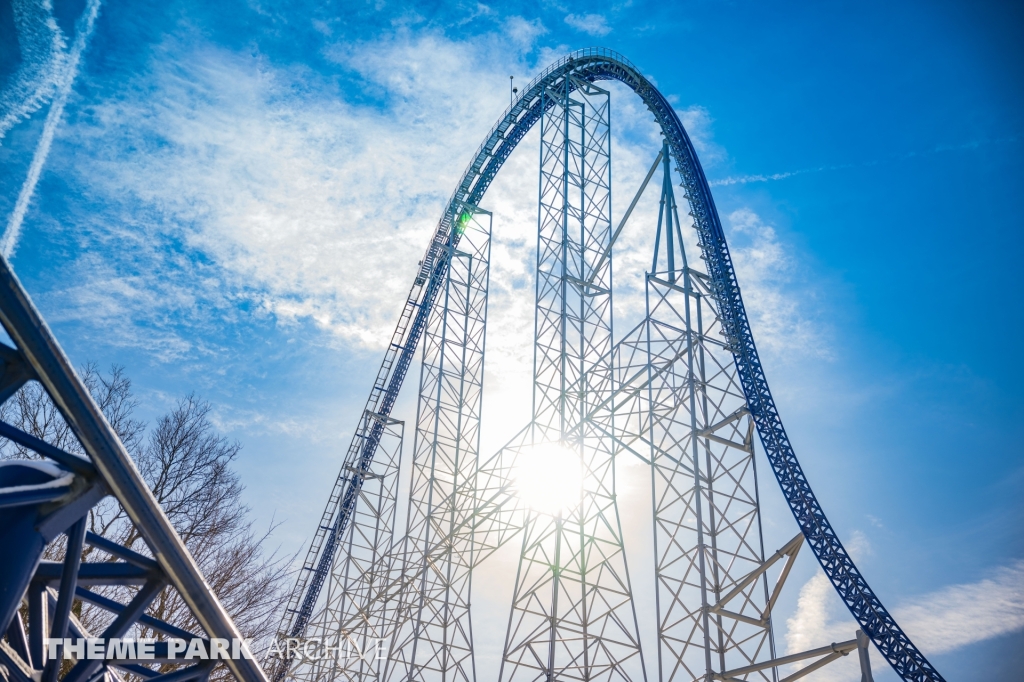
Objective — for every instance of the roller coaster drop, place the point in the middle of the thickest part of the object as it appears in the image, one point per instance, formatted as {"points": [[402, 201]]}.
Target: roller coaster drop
{"points": [[581, 384], [683, 391]]}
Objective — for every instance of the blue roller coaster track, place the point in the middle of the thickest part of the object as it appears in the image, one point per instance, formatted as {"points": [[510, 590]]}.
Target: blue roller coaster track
{"points": [[591, 65]]}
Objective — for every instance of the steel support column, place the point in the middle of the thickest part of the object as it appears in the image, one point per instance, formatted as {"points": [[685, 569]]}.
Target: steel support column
{"points": [[572, 614], [436, 640], [707, 526], [349, 652]]}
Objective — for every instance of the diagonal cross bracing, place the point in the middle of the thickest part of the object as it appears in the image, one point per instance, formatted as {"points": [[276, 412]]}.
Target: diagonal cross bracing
{"points": [[435, 638], [572, 614], [707, 528], [360, 570], [41, 500]]}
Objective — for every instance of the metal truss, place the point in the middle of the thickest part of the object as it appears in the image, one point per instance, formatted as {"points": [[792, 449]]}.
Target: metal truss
{"points": [[40, 500], [435, 640], [825, 655], [572, 611], [707, 529], [706, 515], [620, 422], [694, 420], [360, 570]]}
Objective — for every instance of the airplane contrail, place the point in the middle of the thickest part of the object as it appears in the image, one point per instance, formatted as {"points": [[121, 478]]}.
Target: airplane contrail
{"points": [[744, 179], [938, 149], [65, 79], [42, 48]]}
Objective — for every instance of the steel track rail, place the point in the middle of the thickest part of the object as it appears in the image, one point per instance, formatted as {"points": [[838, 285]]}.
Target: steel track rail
{"points": [[595, 64]]}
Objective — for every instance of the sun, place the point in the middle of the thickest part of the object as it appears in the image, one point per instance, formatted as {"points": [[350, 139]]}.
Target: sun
{"points": [[548, 478]]}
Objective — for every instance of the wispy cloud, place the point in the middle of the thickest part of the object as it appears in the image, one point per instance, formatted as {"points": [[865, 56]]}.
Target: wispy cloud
{"points": [[42, 45], [136, 308], [314, 207], [938, 149], [591, 24], [959, 615], [776, 304], [64, 79], [524, 32], [745, 179], [237, 182], [942, 621]]}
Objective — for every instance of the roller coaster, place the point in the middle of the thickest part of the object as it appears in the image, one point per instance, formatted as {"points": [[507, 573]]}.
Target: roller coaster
{"points": [[683, 391]]}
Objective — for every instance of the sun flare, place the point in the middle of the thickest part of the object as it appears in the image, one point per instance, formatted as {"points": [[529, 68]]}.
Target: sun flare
{"points": [[548, 479]]}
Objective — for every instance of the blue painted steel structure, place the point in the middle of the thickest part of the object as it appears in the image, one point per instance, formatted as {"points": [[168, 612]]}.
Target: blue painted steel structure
{"points": [[42, 499], [592, 65]]}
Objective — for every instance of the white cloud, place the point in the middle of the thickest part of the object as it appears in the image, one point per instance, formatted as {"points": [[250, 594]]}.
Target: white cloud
{"points": [[942, 621], [269, 186], [768, 177], [959, 615], [591, 24], [317, 208], [766, 271], [524, 32], [698, 122], [137, 309]]}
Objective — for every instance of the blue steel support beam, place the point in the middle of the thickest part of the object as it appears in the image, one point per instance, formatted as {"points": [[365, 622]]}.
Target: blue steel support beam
{"points": [[27, 524], [596, 64]]}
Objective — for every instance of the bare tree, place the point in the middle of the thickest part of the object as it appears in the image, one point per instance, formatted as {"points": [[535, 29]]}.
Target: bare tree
{"points": [[188, 466], [32, 411]]}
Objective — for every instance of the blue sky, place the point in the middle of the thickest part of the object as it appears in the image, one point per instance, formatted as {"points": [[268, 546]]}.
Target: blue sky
{"points": [[236, 196]]}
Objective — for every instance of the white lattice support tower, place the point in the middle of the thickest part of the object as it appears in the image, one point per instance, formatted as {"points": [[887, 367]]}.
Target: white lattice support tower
{"points": [[435, 640], [707, 527], [344, 635], [572, 614], [705, 502]]}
